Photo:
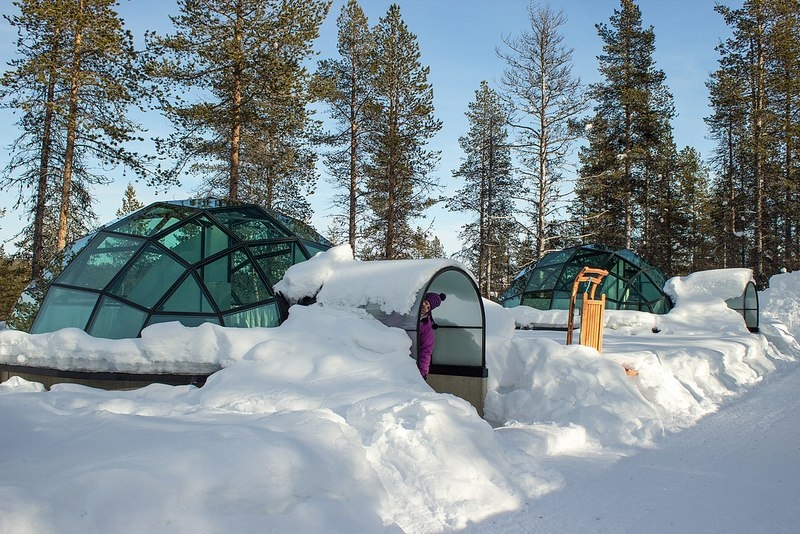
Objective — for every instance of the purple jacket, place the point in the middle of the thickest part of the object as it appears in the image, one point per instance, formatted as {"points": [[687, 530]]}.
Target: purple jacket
{"points": [[426, 341]]}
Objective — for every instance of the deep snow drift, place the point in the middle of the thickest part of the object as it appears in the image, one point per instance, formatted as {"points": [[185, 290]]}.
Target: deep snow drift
{"points": [[324, 424]]}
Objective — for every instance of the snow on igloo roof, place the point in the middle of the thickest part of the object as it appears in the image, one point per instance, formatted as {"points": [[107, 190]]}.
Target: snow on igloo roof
{"points": [[336, 279]]}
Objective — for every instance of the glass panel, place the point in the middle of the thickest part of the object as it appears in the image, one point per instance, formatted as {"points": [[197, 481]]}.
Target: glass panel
{"points": [[536, 301], [314, 248], [736, 303], [266, 316], [149, 221], [189, 297], [275, 259], [458, 346], [115, 320], [511, 296], [247, 287], [648, 290], [561, 300], [185, 320], [406, 321], [196, 240], [300, 229], [216, 277], [750, 297], [660, 306], [462, 306], [100, 261], [544, 278], [250, 225], [567, 278], [751, 318], [632, 258], [658, 278], [555, 257], [64, 308], [149, 276]]}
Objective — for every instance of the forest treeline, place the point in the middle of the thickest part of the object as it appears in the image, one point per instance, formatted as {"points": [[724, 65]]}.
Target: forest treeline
{"points": [[238, 83]]}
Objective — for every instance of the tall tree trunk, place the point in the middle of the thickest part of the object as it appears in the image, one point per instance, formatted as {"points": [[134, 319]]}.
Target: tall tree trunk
{"points": [[353, 206], [37, 260], [72, 127], [236, 127], [628, 200], [789, 186], [759, 143]]}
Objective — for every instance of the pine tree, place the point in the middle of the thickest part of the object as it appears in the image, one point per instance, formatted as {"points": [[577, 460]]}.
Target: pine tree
{"points": [[425, 245], [400, 122], [249, 132], [783, 83], [689, 216], [749, 46], [74, 81], [546, 100], [630, 135], [129, 202], [14, 276], [345, 85], [488, 191], [757, 84], [728, 127]]}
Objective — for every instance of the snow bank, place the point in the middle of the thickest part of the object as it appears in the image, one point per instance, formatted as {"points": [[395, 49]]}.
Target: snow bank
{"points": [[703, 295], [324, 424], [781, 300], [689, 362]]}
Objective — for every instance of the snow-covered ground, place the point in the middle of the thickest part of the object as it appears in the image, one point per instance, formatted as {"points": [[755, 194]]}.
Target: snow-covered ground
{"points": [[324, 425]]}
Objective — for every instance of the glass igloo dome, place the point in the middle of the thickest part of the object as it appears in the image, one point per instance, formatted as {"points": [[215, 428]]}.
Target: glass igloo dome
{"points": [[631, 284], [190, 261]]}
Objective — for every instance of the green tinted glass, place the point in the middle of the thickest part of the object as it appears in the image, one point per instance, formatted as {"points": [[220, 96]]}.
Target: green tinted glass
{"points": [[100, 261], [249, 225], [247, 287], [64, 308], [116, 320], [196, 240], [148, 277], [188, 297], [150, 221], [458, 346], [263, 316], [275, 259], [544, 278]]}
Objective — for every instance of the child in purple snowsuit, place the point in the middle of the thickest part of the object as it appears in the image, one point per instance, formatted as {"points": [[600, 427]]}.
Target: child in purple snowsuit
{"points": [[426, 328]]}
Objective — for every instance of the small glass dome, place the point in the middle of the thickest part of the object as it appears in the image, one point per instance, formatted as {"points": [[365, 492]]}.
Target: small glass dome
{"points": [[631, 284], [191, 261]]}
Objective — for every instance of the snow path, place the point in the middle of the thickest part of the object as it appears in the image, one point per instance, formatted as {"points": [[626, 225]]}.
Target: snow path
{"points": [[736, 468]]}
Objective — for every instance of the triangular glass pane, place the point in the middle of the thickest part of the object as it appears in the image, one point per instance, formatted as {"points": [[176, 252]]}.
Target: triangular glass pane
{"points": [[188, 297]]}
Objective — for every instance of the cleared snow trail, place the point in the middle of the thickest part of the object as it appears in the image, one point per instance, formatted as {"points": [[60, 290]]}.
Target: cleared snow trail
{"points": [[737, 470]]}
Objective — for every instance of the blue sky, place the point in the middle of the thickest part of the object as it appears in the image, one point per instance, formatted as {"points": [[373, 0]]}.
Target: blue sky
{"points": [[458, 40]]}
